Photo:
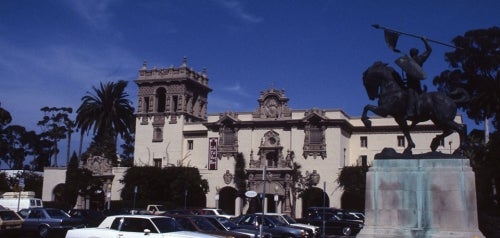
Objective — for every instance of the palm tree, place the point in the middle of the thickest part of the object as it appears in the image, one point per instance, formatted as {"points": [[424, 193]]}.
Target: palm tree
{"points": [[106, 111]]}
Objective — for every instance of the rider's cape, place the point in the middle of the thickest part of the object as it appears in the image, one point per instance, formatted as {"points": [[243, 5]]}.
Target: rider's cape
{"points": [[411, 67]]}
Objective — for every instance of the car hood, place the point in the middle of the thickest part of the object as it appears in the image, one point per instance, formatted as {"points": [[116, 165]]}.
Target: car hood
{"points": [[304, 226]]}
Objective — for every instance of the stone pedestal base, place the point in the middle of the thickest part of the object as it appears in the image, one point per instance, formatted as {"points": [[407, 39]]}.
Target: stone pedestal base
{"points": [[420, 198]]}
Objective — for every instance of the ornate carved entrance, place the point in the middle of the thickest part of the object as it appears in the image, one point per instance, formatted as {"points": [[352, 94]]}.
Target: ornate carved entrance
{"points": [[277, 181]]}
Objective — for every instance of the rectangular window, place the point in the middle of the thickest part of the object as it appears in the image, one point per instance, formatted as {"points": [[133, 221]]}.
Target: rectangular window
{"points": [[316, 136], [364, 141], [343, 161], [401, 141], [157, 134], [364, 160], [190, 145], [146, 104], [157, 163], [228, 137]]}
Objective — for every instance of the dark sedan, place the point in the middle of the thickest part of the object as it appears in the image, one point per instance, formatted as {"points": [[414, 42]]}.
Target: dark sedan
{"points": [[91, 218], [48, 222], [201, 224], [334, 225], [224, 223], [270, 225]]}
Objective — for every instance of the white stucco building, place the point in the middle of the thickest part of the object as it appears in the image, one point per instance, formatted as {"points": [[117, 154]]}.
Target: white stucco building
{"points": [[174, 129]]}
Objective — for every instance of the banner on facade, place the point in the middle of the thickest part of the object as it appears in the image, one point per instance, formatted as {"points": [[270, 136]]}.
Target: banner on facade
{"points": [[212, 153]]}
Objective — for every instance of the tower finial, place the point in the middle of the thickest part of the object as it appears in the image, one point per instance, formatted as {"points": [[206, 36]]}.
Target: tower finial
{"points": [[184, 62], [144, 65]]}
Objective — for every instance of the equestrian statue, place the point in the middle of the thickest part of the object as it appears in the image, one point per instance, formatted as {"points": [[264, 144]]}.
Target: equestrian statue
{"points": [[404, 99]]}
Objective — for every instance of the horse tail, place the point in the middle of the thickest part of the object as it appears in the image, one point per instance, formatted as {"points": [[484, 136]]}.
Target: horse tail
{"points": [[459, 95]]}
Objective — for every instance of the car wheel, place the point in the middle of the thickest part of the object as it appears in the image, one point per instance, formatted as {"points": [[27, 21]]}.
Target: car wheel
{"points": [[288, 236], [43, 231], [346, 231]]}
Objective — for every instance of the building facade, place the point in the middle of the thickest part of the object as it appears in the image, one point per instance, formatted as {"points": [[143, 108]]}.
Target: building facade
{"points": [[174, 129]]}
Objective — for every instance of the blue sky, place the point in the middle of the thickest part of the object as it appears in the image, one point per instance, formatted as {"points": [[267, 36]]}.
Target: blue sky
{"points": [[54, 51]]}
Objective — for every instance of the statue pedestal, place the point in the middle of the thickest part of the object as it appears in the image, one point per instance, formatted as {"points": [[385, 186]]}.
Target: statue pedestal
{"points": [[429, 197]]}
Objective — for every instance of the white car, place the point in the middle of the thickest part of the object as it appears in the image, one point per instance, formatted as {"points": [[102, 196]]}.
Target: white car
{"points": [[132, 226], [216, 212]]}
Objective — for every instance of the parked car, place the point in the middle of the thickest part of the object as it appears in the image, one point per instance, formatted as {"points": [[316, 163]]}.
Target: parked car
{"points": [[354, 215], [312, 231], [132, 226], [270, 225], [334, 225], [91, 218], [10, 223], [201, 224], [156, 209], [216, 212], [48, 222], [225, 224], [11, 201]]}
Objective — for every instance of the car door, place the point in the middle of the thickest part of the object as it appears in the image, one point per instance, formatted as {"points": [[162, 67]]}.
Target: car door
{"points": [[33, 220]]}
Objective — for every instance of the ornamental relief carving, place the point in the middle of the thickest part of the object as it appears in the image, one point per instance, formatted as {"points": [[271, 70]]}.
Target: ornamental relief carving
{"points": [[272, 105]]}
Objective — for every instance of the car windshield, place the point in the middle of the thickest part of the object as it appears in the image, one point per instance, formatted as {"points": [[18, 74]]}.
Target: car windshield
{"points": [[221, 212], [166, 224], [161, 208], [8, 215], [203, 224], [289, 219], [227, 223], [277, 220], [56, 213]]}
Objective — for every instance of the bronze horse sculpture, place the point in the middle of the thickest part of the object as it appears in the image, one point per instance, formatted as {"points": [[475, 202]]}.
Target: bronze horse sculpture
{"points": [[383, 82]]}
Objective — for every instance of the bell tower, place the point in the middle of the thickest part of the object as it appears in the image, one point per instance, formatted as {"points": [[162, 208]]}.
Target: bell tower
{"points": [[169, 93]]}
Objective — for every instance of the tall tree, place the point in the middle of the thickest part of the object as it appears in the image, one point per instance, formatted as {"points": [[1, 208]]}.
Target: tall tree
{"points": [[16, 144], [352, 179], [106, 111], [57, 125], [168, 185], [240, 179], [42, 151], [127, 155], [476, 63]]}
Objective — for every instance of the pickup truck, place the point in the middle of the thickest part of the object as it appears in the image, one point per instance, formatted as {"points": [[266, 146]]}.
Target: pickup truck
{"points": [[132, 226], [156, 209]]}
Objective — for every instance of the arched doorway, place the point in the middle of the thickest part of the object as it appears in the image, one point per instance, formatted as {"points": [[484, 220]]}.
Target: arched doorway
{"points": [[314, 197], [58, 193], [352, 201], [227, 198]]}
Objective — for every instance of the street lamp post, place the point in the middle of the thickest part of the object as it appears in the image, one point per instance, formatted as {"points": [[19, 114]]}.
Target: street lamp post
{"points": [[108, 197], [135, 195], [217, 197], [450, 145], [276, 198], [20, 186], [185, 198]]}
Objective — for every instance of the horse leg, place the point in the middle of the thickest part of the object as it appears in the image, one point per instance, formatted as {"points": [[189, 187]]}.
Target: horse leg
{"points": [[406, 132], [449, 127], [437, 140], [377, 110]]}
